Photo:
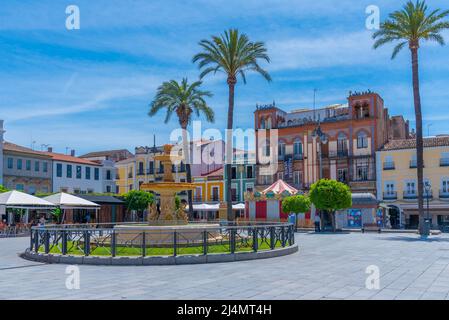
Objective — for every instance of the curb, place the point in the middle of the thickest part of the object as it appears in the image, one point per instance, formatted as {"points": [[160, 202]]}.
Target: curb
{"points": [[158, 260]]}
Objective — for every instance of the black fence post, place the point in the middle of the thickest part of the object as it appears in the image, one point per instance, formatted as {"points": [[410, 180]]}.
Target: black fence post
{"points": [[283, 236], [204, 242], [64, 242], [272, 238], [232, 240], [31, 239], [291, 235], [47, 241], [36, 241], [175, 243], [113, 246], [255, 239], [144, 244], [86, 243]]}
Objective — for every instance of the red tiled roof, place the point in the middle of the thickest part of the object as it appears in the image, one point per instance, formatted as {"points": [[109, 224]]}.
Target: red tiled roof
{"points": [[8, 146], [66, 158], [411, 143], [216, 173]]}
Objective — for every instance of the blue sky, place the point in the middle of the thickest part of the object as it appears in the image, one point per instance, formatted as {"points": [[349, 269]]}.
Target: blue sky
{"points": [[89, 89]]}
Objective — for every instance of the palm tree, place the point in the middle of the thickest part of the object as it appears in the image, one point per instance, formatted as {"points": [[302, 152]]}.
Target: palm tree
{"points": [[410, 26], [184, 99], [233, 54]]}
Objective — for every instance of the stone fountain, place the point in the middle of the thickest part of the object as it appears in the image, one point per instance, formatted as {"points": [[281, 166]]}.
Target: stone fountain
{"points": [[168, 218]]}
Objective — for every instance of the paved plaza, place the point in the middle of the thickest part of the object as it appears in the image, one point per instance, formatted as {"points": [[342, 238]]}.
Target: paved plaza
{"points": [[328, 266]]}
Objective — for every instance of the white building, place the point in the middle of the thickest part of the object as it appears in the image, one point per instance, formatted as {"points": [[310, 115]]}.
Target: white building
{"points": [[76, 175], [1, 151]]}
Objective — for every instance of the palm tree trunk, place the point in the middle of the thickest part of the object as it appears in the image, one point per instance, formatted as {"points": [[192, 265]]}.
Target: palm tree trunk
{"points": [[186, 152], [229, 153], [419, 137]]}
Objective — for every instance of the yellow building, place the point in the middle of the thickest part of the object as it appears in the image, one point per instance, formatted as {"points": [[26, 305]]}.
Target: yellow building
{"points": [[142, 168], [397, 181], [209, 188]]}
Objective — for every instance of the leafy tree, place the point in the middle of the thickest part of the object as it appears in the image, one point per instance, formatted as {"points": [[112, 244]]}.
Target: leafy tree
{"points": [[184, 99], [411, 26], [3, 189], [296, 204], [233, 54], [57, 213], [136, 200], [330, 195]]}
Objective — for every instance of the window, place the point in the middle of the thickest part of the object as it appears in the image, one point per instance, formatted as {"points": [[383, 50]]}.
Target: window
{"points": [[140, 168], [45, 167], [59, 170], [90, 190], [249, 172], [362, 140], [297, 180], [108, 189], [410, 187], [32, 189], [234, 192], [281, 149], [97, 174], [10, 163], [76, 191], [266, 148], [28, 165], [413, 161], [444, 161], [215, 194], [389, 188], [152, 167], [78, 172], [342, 175], [262, 123], [37, 166], [297, 148], [87, 173], [233, 173], [342, 144], [445, 185], [362, 173], [19, 164], [249, 187], [108, 174], [69, 171], [20, 187]]}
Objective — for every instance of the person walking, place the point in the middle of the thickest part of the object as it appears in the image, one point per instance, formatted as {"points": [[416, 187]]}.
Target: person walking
{"points": [[317, 223]]}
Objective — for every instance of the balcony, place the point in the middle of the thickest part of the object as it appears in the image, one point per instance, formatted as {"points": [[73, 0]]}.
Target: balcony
{"points": [[141, 173], [444, 162], [298, 156], [389, 166], [410, 195], [390, 195], [343, 153], [130, 175], [197, 199], [444, 194], [215, 199], [150, 171]]}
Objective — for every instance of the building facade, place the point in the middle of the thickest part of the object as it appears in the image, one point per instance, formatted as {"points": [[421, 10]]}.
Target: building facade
{"points": [[336, 142], [26, 170], [107, 159], [2, 132], [75, 175], [243, 175], [143, 168], [397, 181]]}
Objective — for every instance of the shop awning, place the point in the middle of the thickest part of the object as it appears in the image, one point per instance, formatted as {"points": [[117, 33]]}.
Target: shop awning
{"points": [[20, 200], [68, 201]]}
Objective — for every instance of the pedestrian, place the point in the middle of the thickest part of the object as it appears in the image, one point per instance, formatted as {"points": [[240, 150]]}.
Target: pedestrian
{"points": [[317, 223]]}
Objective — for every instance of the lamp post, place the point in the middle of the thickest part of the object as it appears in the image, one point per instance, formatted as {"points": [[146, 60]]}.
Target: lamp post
{"points": [[427, 187], [318, 133]]}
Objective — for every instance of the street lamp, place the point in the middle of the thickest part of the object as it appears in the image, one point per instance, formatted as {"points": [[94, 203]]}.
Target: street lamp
{"points": [[427, 187], [318, 133]]}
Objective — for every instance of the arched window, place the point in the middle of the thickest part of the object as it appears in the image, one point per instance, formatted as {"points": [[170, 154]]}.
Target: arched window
{"points": [[297, 148], [362, 140], [262, 123], [266, 148]]}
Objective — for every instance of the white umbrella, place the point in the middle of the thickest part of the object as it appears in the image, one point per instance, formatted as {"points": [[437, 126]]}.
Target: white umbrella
{"points": [[20, 200], [68, 201]]}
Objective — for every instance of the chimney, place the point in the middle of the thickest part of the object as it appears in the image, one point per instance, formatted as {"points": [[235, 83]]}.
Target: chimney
{"points": [[50, 149], [72, 152]]}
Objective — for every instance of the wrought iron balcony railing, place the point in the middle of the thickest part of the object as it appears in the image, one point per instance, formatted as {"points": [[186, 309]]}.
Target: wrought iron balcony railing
{"points": [[390, 195], [444, 194], [389, 165], [444, 162]]}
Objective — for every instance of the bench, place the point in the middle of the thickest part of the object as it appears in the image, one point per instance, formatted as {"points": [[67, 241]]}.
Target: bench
{"points": [[371, 227]]}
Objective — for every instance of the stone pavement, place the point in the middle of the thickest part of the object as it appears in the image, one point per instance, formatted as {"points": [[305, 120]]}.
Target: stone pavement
{"points": [[328, 266]]}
